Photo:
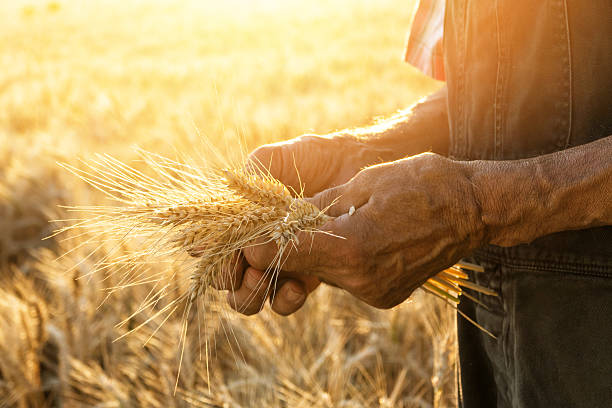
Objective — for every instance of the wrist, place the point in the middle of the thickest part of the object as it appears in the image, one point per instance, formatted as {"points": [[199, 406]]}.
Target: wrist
{"points": [[473, 219], [509, 197], [523, 200], [487, 182]]}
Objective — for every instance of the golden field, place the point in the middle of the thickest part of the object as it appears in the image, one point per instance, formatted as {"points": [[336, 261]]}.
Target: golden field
{"points": [[80, 78]]}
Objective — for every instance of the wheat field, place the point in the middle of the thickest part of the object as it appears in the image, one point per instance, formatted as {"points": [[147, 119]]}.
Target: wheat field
{"points": [[103, 76]]}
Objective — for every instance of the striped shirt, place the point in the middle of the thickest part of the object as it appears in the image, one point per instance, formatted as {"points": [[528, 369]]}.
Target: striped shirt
{"points": [[424, 47]]}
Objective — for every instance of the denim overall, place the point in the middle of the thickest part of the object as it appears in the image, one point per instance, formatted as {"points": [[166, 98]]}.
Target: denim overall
{"points": [[526, 78]]}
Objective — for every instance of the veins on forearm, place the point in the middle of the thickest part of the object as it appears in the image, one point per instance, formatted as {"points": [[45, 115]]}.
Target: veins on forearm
{"points": [[420, 128], [524, 199]]}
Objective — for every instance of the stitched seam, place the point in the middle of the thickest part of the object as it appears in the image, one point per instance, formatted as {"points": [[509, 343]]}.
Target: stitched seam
{"points": [[497, 111], [564, 271], [461, 136], [573, 268], [569, 74], [561, 39], [512, 339]]}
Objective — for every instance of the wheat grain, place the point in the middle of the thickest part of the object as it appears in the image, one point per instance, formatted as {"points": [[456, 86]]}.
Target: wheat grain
{"points": [[258, 188]]}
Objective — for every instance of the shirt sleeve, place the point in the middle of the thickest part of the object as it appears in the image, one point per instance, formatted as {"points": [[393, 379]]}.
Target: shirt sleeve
{"points": [[424, 46]]}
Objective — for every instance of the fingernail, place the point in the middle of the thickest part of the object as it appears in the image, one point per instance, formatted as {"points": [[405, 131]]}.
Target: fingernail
{"points": [[294, 296]]}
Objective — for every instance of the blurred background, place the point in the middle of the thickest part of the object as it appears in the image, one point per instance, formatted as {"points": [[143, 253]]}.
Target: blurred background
{"points": [[85, 77]]}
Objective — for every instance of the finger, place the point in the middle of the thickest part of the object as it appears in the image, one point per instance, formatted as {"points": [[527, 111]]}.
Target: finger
{"points": [[231, 273], [252, 294], [288, 297]]}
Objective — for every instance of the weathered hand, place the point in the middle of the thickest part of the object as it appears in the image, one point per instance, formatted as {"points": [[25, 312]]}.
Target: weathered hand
{"points": [[323, 162], [308, 162], [414, 217]]}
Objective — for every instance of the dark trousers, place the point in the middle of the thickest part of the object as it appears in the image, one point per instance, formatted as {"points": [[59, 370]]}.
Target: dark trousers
{"points": [[553, 323]]}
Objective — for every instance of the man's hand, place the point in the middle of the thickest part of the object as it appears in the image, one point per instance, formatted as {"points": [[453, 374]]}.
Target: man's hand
{"points": [[316, 163], [417, 216], [308, 163], [414, 217]]}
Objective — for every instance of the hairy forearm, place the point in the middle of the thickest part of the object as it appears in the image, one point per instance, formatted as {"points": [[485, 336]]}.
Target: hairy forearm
{"points": [[422, 127], [525, 199]]}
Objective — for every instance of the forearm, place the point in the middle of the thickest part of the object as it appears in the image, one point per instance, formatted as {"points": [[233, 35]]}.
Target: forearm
{"points": [[422, 127], [524, 199]]}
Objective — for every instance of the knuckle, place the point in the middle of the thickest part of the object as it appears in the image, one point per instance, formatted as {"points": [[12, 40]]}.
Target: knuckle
{"points": [[257, 256]]}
